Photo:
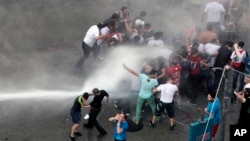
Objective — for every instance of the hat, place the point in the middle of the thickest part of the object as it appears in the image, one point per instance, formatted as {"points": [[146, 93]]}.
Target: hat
{"points": [[95, 91]]}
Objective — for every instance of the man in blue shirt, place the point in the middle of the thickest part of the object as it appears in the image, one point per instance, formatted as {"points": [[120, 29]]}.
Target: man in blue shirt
{"points": [[148, 83], [121, 126], [213, 110]]}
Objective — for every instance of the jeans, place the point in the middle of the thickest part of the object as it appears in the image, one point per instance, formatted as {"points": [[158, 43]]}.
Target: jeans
{"points": [[206, 74]]}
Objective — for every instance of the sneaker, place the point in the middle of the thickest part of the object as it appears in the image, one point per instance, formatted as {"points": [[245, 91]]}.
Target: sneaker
{"points": [[78, 133], [172, 127], [116, 105], [151, 124], [134, 120], [72, 138], [102, 134], [87, 126]]}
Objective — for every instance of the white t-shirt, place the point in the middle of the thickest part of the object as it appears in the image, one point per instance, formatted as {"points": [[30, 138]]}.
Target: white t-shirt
{"points": [[104, 31], [210, 49], [214, 10], [167, 92], [157, 43], [90, 37]]}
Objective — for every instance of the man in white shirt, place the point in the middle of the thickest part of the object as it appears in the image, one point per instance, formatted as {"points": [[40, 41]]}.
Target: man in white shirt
{"points": [[214, 12], [88, 44], [168, 91], [157, 41], [212, 49]]}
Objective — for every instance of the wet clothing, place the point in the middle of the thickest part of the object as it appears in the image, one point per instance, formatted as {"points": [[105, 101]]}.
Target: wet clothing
{"points": [[121, 136], [215, 105], [145, 95], [95, 109], [75, 111]]}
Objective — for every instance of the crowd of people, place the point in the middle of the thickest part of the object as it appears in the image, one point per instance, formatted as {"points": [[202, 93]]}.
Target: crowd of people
{"points": [[197, 63]]}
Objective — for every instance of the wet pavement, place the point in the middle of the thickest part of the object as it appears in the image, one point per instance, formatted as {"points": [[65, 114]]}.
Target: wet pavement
{"points": [[47, 119]]}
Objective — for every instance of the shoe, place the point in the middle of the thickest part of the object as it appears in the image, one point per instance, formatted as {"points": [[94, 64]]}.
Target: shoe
{"points": [[116, 104], [72, 138], [78, 133], [134, 120], [172, 127], [151, 124], [87, 126], [102, 134]]}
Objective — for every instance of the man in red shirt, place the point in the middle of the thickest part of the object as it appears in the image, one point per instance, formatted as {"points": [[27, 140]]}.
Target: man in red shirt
{"points": [[194, 80]]}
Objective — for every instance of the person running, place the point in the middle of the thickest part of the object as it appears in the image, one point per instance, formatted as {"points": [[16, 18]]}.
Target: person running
{"points": [[168, 91], [148, 82], [95, 109], [121, 126], [75, 113]]}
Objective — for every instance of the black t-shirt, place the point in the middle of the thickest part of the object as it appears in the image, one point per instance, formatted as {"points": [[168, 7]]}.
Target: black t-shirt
{"points": [[245, 112], [223, 57], [186, 67], [77, 104], [97, 100]]}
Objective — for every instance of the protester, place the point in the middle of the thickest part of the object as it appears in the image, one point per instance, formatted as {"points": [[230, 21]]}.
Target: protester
{"points": [[244, 97], [95, 109], [239, 65], [121, 126], [88, 44], [214, 12], [168, 91], [75, 113], [213, 110], [148, 82]]}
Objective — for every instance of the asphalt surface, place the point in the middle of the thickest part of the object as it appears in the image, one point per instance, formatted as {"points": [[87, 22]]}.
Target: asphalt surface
{"points": [[41, 43]]}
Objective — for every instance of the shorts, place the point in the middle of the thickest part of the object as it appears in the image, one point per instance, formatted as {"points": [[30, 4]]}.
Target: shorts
{"points": [[215, 129], [76, 116], [168, 106]]}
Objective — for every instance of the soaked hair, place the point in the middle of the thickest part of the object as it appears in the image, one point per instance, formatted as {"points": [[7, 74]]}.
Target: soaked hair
{"points": [[212, 94], [152, 72], [85, 95]]}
